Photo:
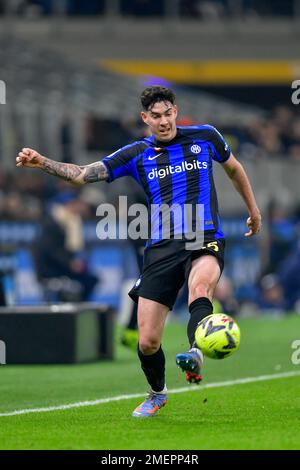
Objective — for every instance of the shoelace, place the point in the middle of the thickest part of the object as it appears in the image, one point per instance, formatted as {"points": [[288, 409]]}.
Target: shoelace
{"points": [[155, 398]]}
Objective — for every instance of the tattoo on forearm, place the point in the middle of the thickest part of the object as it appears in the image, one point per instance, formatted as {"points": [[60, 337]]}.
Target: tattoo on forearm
{"points": [[95, 172], [66, 171], [74, 173]]}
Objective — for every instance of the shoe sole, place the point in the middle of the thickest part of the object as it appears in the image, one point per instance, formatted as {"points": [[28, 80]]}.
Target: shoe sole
{"points": [[193, 378]]}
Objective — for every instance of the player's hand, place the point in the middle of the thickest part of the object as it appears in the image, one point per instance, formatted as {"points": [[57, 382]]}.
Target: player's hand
{"points": [[254, 224], [29, 158]]}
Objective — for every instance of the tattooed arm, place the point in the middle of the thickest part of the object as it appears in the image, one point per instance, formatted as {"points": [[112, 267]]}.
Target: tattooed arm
{"points": [[76, 175]]}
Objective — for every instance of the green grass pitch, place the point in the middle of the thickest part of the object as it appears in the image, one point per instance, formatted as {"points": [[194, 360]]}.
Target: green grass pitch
{"points": [[221, 413]]}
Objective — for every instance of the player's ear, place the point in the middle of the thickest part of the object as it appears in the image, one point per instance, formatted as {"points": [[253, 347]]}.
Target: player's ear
{"points": [[175, 110], [144, 117]]}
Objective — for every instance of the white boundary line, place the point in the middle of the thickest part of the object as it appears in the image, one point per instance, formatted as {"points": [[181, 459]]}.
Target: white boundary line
{"points": [[191, 388]]}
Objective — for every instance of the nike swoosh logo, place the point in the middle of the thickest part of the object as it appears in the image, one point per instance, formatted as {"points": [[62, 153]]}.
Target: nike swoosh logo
{"points": [[155, 156]]}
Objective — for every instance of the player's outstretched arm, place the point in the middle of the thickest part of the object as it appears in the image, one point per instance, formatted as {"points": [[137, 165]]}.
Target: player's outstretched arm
{"points": [[239, 178], [74, 174]]}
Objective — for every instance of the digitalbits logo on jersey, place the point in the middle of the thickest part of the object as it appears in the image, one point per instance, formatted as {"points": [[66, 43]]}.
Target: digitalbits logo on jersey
{"points": [[195, 149], [172, 169]]}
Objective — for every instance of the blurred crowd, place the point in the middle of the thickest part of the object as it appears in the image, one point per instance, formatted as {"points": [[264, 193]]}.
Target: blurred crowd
{"points": [[35, 197], [276, 134], [279, 285], [202, 9], [61, 212], [32, 196]]}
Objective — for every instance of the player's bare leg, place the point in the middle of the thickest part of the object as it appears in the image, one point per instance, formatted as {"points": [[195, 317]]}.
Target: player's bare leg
{"points": [[203, 278], [151, 320]]}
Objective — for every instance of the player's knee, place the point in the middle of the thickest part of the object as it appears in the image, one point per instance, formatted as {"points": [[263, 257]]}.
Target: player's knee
{"points": [[149, 345]]}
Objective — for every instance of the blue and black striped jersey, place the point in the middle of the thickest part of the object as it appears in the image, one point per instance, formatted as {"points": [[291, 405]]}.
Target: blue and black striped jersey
{"points": [[181, 172]]}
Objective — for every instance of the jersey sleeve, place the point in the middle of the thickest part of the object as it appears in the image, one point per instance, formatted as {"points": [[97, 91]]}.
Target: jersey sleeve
{"points": [[122, 162], [221, 150]]}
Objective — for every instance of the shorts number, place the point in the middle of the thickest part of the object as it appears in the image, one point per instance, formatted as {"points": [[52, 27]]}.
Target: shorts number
{"points": [[213, 245]]}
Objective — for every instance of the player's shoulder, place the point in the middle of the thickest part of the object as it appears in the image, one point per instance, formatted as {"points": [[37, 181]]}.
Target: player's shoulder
{"points": [[129, 151], [200, 131], [137, 146]]}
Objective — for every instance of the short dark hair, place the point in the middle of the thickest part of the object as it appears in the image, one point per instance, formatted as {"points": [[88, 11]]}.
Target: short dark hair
{"points": [[155, 94]]}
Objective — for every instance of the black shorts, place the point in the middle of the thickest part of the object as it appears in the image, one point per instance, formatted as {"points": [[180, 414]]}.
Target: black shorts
{"points": [[166, 267]]}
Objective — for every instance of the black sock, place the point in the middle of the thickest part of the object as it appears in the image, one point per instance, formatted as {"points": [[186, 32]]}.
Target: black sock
{"points": [[154, 369], [199, 309]]}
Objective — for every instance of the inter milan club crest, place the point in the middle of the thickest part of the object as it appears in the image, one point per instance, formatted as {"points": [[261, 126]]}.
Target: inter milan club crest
{"points": [[195, 148]]}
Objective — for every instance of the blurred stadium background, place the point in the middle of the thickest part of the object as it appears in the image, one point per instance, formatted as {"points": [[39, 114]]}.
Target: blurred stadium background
{"points": [[73, 71]]}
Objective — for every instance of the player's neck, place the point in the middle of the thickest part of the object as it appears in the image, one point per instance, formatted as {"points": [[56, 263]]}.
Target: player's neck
{"points": [[165, 142]]}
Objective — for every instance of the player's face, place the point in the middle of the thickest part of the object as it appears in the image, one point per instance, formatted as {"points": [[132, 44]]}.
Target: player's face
{"points": [[161, 119]]}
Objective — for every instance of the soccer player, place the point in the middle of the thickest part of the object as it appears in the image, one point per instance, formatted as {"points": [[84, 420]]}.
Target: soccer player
{"points": [[175, 167]]}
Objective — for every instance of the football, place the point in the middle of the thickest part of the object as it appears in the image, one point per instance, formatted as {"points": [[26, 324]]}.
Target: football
{"points": [[218, 336]]}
